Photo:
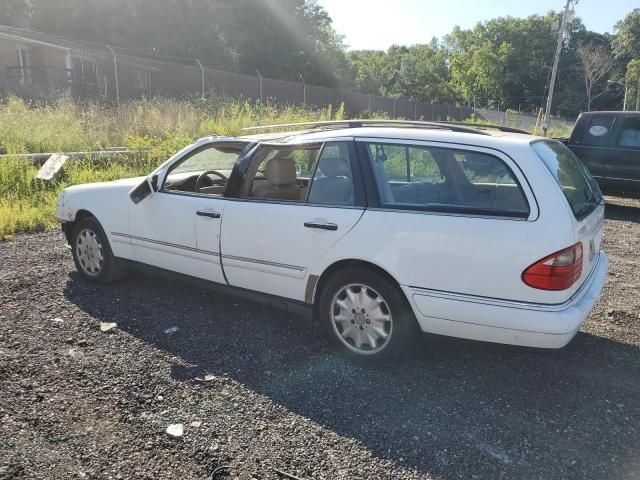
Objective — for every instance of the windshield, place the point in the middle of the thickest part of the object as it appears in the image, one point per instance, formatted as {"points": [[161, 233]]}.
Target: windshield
{"points": [[577, 184]]}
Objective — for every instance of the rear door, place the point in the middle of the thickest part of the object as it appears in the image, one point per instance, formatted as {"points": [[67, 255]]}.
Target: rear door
{"points": [[289, 214]]}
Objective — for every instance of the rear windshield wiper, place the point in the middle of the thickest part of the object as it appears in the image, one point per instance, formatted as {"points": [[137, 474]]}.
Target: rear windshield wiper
{"points": [[590, 205]]}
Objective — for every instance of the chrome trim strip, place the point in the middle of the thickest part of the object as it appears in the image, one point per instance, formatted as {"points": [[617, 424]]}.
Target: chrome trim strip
{"points": [[166, 244], [448, 214], [497, 327], [264, 262], [207, 252], [293, 203], [501, 302]]}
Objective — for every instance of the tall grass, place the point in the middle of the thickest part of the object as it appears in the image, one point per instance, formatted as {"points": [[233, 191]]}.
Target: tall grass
{"points": [[154, 128]]}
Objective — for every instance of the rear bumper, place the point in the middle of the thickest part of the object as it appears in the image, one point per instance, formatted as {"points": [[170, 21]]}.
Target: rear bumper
{"points": [[502, 321]]}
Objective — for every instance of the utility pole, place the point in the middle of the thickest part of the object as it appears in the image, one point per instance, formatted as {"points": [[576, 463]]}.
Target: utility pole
{"points": [[626, 91], [554, 71], [638, 95]]}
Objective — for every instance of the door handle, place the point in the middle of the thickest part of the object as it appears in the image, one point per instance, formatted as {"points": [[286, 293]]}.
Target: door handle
{"points": [[321, 226], [202, 213]]}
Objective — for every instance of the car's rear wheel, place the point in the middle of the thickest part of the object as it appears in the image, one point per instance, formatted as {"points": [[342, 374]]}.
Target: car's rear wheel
{"points": [[92, 253], [365, 315]]}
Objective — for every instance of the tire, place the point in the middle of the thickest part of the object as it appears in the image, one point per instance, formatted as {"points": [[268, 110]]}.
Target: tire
{"points": [[355, 321], [92, 253]]}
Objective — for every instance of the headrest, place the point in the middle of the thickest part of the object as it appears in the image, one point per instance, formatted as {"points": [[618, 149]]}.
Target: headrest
{"points": [[281, 171], [335, 166]]}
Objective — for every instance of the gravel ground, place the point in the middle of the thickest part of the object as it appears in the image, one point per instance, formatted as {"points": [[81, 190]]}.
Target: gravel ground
{"points": [[76, 402]]}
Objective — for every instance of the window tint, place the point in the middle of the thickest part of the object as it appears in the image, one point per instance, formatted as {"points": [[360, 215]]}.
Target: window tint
{"points": [[282, 173], [441, 179], [333, 181], [577, 184], [598, 131], [630, 133]]}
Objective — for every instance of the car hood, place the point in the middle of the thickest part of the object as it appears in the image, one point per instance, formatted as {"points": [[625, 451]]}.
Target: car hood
{"points": [[125, 183]]}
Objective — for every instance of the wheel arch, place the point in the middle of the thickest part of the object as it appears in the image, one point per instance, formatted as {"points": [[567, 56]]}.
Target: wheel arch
{"points": [[68, 227], [344, 264]]}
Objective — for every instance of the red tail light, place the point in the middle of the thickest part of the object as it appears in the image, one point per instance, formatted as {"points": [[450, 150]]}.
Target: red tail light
{"points": [[558, 271]]}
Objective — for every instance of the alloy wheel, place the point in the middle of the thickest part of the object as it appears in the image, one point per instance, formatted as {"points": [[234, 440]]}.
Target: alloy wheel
{"points": [[361, 319]]}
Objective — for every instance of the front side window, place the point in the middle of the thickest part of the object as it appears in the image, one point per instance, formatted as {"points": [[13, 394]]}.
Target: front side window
{"points": [[443, 179], [206, 171], [577, 184]]}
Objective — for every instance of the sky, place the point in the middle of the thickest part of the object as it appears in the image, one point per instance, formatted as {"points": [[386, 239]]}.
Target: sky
{"points": [[378, 24]]}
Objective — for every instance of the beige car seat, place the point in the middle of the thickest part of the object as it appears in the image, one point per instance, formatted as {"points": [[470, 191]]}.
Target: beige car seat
{"points": [[280, 183]]}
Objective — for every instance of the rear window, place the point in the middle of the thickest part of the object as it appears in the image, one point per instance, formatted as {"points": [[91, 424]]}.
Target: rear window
{"points": [[598, 131], [577, 184]]}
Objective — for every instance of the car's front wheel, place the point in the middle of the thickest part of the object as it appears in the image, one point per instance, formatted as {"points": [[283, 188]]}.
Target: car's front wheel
{"points": [[92, 253], [365, 315]]}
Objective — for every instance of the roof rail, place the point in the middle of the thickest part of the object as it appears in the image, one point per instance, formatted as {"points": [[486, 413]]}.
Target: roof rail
{"points": [[489, 126], [358, 123]]}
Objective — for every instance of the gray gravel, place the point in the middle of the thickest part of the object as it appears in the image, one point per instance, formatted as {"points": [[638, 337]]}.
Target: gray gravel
{"points": [[77, 402]]}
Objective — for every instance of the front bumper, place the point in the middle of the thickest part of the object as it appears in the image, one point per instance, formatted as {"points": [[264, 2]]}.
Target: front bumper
{"points": [[500, 321]]}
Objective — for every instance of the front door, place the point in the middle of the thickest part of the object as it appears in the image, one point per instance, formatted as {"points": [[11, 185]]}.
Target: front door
{"points": [[297, 203], [178, 227]]}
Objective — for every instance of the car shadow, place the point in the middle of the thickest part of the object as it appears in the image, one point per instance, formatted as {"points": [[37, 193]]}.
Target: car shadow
{"points": [[451, 407], [623, 209]]}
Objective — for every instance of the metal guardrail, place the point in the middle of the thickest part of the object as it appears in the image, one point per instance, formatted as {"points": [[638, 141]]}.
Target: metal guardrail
{"points": [[40, 158]]}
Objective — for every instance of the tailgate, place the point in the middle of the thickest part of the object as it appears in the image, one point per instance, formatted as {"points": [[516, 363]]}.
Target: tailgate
{"points": [[589, 231]]}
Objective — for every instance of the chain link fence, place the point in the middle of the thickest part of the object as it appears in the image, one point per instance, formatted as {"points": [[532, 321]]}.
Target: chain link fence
{"points": [[50, 66], [523, 121]]}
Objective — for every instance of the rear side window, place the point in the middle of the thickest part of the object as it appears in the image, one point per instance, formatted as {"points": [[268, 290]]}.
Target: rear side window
{"points": [[598, 131], [577, 184], [481, 169], [445, 180]]}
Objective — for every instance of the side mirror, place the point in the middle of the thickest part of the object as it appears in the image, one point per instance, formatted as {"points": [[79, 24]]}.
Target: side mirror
{"points": [[145, 189]]}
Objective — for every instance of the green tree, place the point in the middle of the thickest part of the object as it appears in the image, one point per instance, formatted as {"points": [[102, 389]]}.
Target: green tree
{"points": [[288, 39], [632, 79], [367, 70], [505, 60], [626, 41], [422, 74]]}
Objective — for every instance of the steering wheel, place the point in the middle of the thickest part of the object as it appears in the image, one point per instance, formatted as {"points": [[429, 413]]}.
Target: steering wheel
{"points": [[206, 174]]}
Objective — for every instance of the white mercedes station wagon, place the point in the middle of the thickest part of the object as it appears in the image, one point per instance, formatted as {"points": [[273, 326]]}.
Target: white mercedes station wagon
{"points": [[376, 229]]}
